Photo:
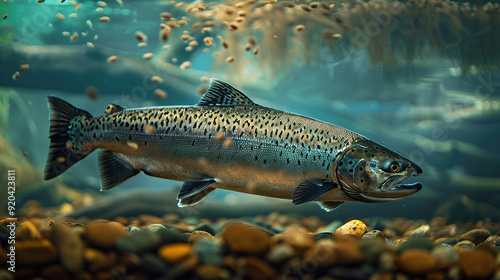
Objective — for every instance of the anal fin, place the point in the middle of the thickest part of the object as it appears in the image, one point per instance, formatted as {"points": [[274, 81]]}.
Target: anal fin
{"points": [[310, 190], [192, 200], [329, 205], [114, 170], [192, 187]]}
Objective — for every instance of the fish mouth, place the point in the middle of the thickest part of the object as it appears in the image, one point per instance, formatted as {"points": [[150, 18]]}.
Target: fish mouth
{"points": [[392, 187]]}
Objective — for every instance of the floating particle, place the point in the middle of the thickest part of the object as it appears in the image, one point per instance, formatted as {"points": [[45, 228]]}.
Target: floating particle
{"points": [[242, 13], [165, 33], [174, 60], [209, 23], [163, 26], [84, 34], [140, 36], [41, 1], [193, 44], [120, 2], [305, 7], [62, 1], [5, 16], [219, 136], [104, 19], [225, 44], [78, 7], [60, 16], [179, 5], [166, 47], [96, 37], [228, 142], [230, 59], [332, 6], [112, 58], [25, 66], [92, 92], [205, 50], [25, 153], [133, 145], [165, 16], [160, 93], [205, 79], [233, 27], [60, 159], [156, 79], [239, 19], [300, 27], [15, 76], [148, 128], [65, 33], [196, 26], [142, 44], [336, 36], [102, 4], [99, 10], [330, 35], [206, 29], [248, 47], [73, 3], [185, 65], [252, 40], [181, 22], [89, 23], [172, 24], [73, 15], [202, 90], [275, 36], [314, 5], [90, 45], [185, 37], [208, 41], [256, 50], [148, 56], [74, 37]]}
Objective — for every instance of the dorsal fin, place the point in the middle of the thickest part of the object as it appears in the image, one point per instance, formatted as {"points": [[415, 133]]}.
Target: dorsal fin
{"points": [[220, 93], [113, 108]]}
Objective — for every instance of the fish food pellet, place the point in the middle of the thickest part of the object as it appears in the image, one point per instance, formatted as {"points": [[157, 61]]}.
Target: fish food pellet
{"points": [[104, 19], [228, 142], [165, 16], [90, 45], [185, 37], [148, 128], [133, 145], [148, 56], [156, 79], [185, 65], [65, 33], [73, 15], [5, 16], [102, 4], [208, 41], [202, 90], [60, 16], [141, 45], [230, 59], [140, 36], [74, 37], [15, 76], [25, 66], [205, 79], [300, 27], [256, 50], [112, 58], [91, 92], [160, 93]]}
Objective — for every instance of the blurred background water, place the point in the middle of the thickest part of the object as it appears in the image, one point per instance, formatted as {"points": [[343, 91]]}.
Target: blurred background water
{"points": [[420, 77]]}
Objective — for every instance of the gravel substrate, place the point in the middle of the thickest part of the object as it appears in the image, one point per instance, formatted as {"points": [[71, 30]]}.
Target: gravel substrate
{"points": [[264, 247]]}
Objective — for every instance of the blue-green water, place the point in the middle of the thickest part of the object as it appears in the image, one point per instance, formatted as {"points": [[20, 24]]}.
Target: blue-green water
{"points": [[425, 108]]}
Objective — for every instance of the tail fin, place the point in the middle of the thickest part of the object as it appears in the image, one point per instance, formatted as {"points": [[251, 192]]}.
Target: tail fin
{"points": [[61, 155]]}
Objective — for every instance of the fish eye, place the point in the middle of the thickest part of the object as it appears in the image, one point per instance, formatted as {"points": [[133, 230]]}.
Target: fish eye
{"points": [[394, 167]]}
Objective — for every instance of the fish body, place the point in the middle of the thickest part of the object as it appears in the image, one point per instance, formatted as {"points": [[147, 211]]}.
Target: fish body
{"points": [[225, 141]]}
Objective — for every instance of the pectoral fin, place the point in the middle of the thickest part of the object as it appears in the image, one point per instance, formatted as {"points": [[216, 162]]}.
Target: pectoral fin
{"points": [[329, 205], [310, 190], [192, 200], [192, 187], [114, 170]]}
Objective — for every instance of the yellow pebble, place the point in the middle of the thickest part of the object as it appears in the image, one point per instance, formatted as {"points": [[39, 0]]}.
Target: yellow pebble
{"points": [[354, 227], [173, 253]]}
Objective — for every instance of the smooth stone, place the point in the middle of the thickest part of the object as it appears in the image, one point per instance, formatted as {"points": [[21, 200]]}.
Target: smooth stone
{"points": [[477, 264], [175, 252], [351, 273], [476, 236], [445, 256], [55, 272], [371, 250], [417, 261], [139, 241], [69, 245], [280, 253], [296, 236], [322, 235], [347, 250], [27, 230], [465, 244], [244, 239], [332, 227], [153, 264], [446, 240], [208, 250], [197, 234], [322, 253], [35, 252], [104, 235], [258, 269], [374, 235], [422, 231], [398, 242], [155, 227], [208, 271], [172, 235], [133, 228], [206, 228], [354, 227], [99, 260], [150, 219], [416, 243], [448, 231], [493, 240]]}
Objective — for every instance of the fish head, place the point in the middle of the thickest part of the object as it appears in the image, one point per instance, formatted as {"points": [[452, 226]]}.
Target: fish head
{"points": [[369, 172]]}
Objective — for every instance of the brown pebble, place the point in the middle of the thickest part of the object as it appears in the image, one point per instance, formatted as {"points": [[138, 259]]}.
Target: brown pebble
{"points": [[160, 93], [27, 230], [493, 240], [92, 92], [305, 7], [26, 153], [176, 252], [476, 264], [207, 271], [39, 251], [69, 245], [476, 236], [322, 252], [244, 239], [197, 234], [354, 227], [103, 235], [55, 272], [258, 269], [296, 236], [112, 58], [104, 19], [347, 250], [417, 261]]}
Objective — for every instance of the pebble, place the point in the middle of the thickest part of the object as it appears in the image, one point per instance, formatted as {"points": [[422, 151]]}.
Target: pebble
{"points": [[27, 230], [465, 244], [99, 260], [332, 227], [104, 235], [205, 227], [347, 250], [493, 240], [209, 250], [69, 246], [280, 253], [243, 239], [422, 231], [176, 252], [446, 240], [139, 241], [374, 235], [155, 227], [35, 251], [258, 269], [353, 227], [153, 264], [199, 234], [322, 253], [416, 243], [372, 249], [55, 272], [297, 237], [476, 236], [445, 256], [476, 264], [417, 261]]}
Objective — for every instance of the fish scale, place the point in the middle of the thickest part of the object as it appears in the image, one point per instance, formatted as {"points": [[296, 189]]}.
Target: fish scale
{"points": [[271, 153]]}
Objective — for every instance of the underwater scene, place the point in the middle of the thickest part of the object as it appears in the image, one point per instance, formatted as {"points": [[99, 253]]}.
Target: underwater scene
{"points": [[252, 139]]}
